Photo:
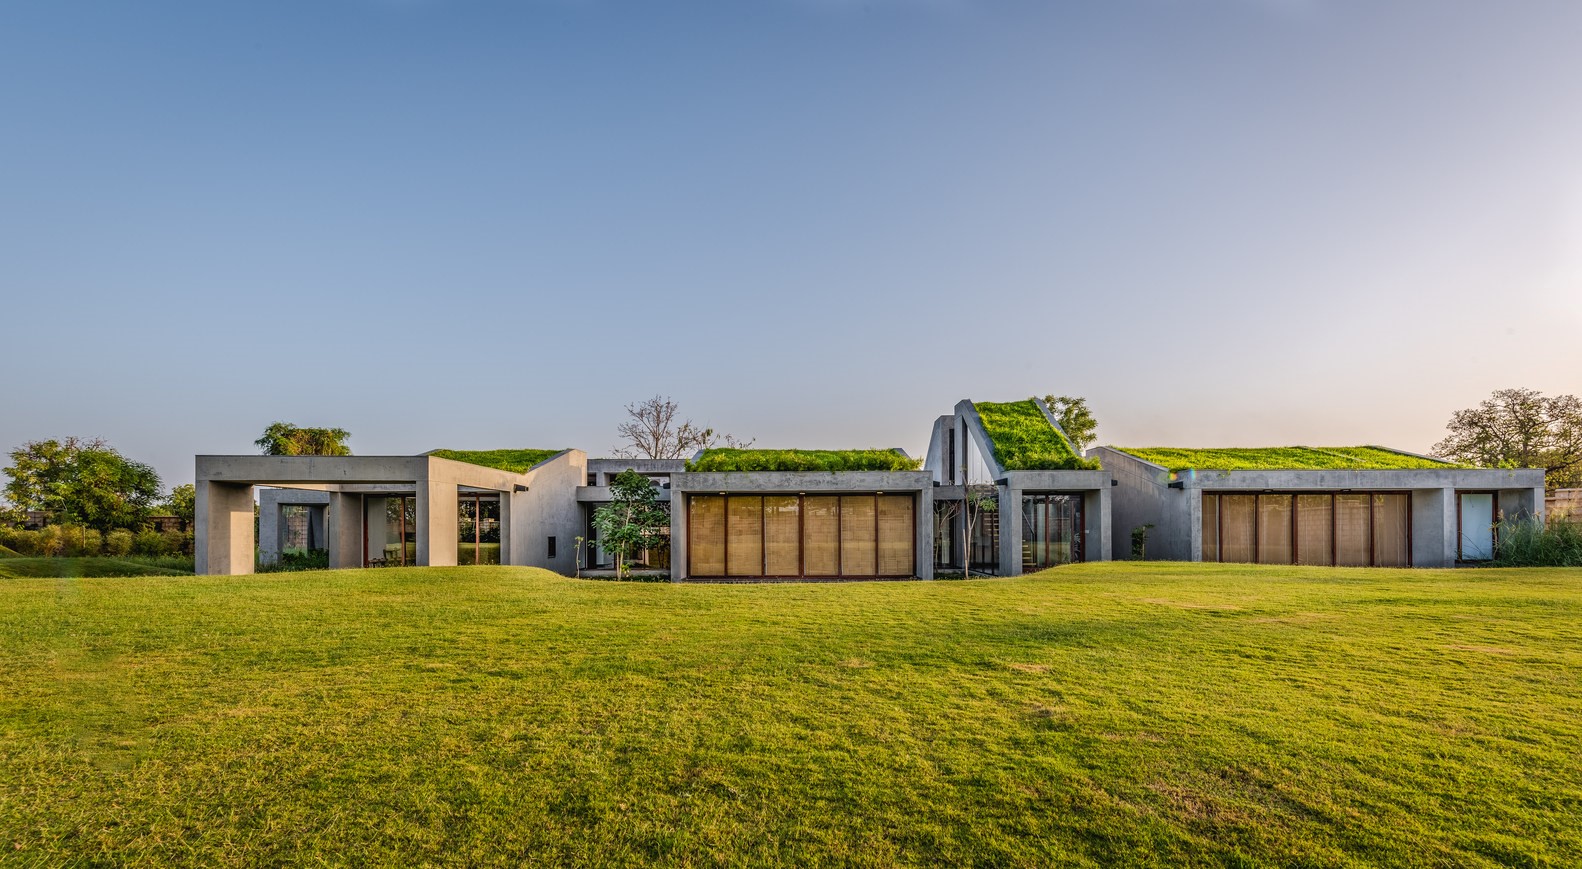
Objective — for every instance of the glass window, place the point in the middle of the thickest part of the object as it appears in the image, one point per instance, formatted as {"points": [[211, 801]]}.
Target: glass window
{"points": [[1477, 526]]}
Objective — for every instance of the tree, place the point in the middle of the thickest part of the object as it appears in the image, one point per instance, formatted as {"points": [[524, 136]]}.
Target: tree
{"points": [[633, 521], [1520, 428], [183, 503], [1075, 420], [654, 430], [83, 481], [285, 439]]}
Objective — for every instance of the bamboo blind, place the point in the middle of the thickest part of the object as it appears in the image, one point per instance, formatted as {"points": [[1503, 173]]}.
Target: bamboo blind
{"points": [[744, 530], [897, 543], [782, 536], [1210, 527], [1391, 530], [706, 544], [1315, 529], [1352, 534], [821, 535], [1238, 527], [858, 552], [1274, 529]]}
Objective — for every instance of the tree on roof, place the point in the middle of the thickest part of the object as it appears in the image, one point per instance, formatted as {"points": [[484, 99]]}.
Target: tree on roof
{"points": [[285, 439], [1520, 428], [1075, 420], [654, 430]]}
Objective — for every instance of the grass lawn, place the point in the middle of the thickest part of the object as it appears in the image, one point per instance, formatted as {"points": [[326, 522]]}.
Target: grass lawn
{"points": [[1114, 714]]}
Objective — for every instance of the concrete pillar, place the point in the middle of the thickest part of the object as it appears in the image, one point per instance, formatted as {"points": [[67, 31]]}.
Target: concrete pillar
{"points": [[223, 536], [437, 527], [271, 528], [1098, 542], [1010, 531], [507, 499], [345, 531], [925, 533], [678, 535], [1435, 538]]}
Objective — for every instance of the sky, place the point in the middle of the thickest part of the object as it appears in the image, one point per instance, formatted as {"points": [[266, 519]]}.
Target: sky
{"points": [[817, 223]]}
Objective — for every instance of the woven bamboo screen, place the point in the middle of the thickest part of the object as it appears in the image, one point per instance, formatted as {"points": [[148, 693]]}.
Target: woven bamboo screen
{"points": [[1352, 535], [706, 543], [1391, 530], [1315, 529], [1211, 528], [858, 553], [821, 535], [1274, 529], [782, 536], [897, 541], [1238, 527], [744, 529]]}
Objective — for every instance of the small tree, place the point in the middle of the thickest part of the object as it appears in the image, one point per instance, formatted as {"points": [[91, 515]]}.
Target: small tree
{"points": [[633, 521], [183, 503], [82, 482], [1075, 420], [285, 439], [654, 430]]}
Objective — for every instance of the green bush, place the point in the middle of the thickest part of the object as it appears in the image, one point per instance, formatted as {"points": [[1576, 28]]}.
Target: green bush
{"points": [[19, 541], [292, 560], [50, 541], [151, 543], [728, 459], [118, 543], [81, 542], [1024, 440], [1531, 543]]}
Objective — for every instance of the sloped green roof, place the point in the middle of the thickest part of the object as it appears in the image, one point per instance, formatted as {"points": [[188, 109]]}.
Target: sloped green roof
{"points": [[1284, 459], [726, 459], [515, 461], [1023, 439]]}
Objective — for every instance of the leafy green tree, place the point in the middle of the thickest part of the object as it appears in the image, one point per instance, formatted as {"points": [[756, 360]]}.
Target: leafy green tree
{"points": [[1520, 428], [285, 439], [633, 521], [183, 502], [82, 481], [1075, 420]]}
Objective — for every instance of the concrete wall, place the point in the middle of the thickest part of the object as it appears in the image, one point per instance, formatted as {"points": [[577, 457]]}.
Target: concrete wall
{"points": [[1142, 496], [223, 526], [603, 470], [548, 509], [1094, 486], [272, 526]]}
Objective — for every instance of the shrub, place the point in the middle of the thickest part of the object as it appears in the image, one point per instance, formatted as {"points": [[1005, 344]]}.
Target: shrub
{"points": [[728, 459], [1140, 542], [20, 541], [50, 541], [81, 542], [118, 542], [295, 559], [1530, 543], [151, 543]]}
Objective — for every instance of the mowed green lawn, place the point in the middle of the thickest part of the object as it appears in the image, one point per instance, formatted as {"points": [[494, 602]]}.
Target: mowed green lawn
{"points": [[1115, 715]]}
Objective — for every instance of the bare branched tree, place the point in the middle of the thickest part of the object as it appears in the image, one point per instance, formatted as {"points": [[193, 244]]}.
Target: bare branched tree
{"points": [[654, 430]]}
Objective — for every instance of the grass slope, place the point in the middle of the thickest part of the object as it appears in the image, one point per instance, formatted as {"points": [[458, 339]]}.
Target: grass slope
{"points": [[1283, 458], [1025, 441], [515, 461], [727, 459], [95, 566], [1099, 715]]}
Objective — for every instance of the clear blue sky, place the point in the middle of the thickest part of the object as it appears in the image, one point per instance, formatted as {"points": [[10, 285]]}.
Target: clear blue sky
{"points": [[816, 222]]}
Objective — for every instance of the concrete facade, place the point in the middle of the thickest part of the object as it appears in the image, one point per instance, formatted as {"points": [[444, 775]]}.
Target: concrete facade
{"points": [[1173, 503]]}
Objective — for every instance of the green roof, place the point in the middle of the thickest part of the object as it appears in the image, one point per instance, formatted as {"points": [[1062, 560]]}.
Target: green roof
{"points": [[726, 459], [515, 461], [1024, 440], [1284, 459]]}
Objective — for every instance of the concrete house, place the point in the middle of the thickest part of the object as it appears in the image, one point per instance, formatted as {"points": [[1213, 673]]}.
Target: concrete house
{"points": [[1051, 506], [1345, 506]]}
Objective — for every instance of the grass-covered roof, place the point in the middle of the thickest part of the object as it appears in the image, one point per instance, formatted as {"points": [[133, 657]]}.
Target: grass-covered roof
{"points": [[727, 459], [1024, 440], [515, 461], [1284, 459]]}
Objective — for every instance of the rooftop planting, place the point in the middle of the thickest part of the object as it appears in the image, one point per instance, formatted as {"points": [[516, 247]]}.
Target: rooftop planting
{"points": [[1024, 440], [725, 459], [1285, 459], [515, 461]]}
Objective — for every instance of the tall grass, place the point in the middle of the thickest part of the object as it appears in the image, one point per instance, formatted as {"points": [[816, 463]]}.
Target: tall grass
{"points": [[1531, 543]]}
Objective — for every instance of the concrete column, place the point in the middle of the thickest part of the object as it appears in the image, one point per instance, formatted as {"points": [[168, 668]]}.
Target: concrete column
{"points": [[506, 500], [436, 524], [1434, 533], [1010, 531], [678, 535], [345, 521], [1098, 542], [271, 530], [223, 536], [925, 533]]}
